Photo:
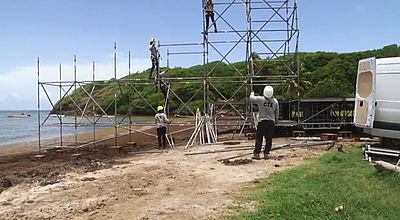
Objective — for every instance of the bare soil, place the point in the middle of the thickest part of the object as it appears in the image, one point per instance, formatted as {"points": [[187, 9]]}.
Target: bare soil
{"points": [[103, 183]]}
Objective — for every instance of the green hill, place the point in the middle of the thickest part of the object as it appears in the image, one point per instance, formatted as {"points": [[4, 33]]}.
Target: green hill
{"points": [[323, 74]]}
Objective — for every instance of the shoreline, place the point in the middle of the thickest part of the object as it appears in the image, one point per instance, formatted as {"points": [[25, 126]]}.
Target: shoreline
{"points": [[25, 147], [31, 146]]}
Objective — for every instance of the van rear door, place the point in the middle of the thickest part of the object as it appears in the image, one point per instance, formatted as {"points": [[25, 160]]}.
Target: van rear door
{"points": [[364, 110]]}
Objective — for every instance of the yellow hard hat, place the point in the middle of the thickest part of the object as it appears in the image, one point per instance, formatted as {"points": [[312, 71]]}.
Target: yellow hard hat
{"points": [[160, 108], [152, 39]]}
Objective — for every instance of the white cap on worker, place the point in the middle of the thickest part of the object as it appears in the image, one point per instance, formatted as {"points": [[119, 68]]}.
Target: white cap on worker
{"points": [[268, 92]]}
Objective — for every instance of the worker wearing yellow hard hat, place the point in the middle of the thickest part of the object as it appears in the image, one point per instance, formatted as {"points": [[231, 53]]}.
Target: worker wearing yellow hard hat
{"points": [[161, 121]]}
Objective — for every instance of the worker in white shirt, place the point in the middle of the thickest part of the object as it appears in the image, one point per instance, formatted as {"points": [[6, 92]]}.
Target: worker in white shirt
{"points": [[268, 108], [208, 7], [161, 121]]}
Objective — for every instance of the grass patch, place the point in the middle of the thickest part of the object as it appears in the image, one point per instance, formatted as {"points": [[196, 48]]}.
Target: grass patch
{"points": [[312, 191]]}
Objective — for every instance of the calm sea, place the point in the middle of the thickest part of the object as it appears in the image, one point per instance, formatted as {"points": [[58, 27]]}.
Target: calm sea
{"points": [[13, 130]]}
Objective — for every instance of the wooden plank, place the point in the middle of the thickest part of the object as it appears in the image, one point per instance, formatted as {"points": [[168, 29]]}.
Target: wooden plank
{"points": [[218, 151], [382, 165], [232, 142], [328, 136]]}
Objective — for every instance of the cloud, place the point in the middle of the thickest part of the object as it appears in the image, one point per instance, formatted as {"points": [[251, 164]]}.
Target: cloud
{"points": [[18, 87]]}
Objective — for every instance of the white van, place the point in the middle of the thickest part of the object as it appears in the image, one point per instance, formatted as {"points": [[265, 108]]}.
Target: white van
{"points": [[377, 103]]}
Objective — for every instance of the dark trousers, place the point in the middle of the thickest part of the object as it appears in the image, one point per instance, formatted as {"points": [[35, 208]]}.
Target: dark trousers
{"points": [[209, 15], [162, 139], [265, 129], [164, 89], [154, 65]]}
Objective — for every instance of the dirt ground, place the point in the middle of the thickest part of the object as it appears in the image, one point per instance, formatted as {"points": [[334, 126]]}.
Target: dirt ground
{"points": [[100, 183]]}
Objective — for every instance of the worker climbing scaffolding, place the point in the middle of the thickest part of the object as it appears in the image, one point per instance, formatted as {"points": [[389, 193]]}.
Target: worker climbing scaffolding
{"points": [[154, 56], [162, 85]]}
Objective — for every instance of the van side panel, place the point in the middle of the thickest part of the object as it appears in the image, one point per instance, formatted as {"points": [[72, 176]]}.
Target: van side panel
{"points": [[387, 96]]}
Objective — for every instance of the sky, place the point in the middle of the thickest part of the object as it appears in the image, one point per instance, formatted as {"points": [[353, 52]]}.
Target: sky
{"points": [[56, 30]]}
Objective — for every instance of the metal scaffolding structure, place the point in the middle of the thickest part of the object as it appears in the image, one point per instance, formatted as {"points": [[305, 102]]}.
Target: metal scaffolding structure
{"points": [[263, 32], [268, 34]]}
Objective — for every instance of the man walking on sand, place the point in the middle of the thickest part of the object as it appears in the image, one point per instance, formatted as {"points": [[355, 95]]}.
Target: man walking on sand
{"points": [[161, 121], [268, 108]]}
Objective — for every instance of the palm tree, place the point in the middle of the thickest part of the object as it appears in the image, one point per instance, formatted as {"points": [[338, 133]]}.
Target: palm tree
{"points": [[293, 89]]}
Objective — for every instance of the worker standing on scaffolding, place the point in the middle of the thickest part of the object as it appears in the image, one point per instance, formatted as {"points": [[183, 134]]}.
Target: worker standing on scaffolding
{"points": [[208, 7], [268, 108], [161, 121], [153, 56]]}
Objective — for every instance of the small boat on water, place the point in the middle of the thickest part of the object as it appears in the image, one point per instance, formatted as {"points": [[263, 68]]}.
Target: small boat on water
{"points": [[20, 115]]}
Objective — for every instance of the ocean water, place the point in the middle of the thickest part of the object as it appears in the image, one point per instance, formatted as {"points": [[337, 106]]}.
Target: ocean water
{"points": [[14, 130]]}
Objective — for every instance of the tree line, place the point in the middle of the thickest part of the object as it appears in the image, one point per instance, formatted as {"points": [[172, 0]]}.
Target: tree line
{"points": [[322, 74]]}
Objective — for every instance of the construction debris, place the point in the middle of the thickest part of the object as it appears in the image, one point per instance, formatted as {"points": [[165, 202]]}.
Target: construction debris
{"points": [[382, 165], [375, 152], [237, 162], [38, 156], [375, 139], [295, 145], [345, 134], [328, 136], [341, 149], [233, 157], [299, 133], [305, 138], [204, 130], [330, 146], [288, 145], [232, 142], [219, 151], [235, 147]]}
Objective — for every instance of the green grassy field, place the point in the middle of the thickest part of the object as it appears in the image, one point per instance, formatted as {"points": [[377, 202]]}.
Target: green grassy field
{"points": [[312, 191]]}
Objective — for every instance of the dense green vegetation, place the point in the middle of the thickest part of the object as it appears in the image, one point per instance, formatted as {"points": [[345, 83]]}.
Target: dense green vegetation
{"points": [[313, 191], [323, 74]]}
